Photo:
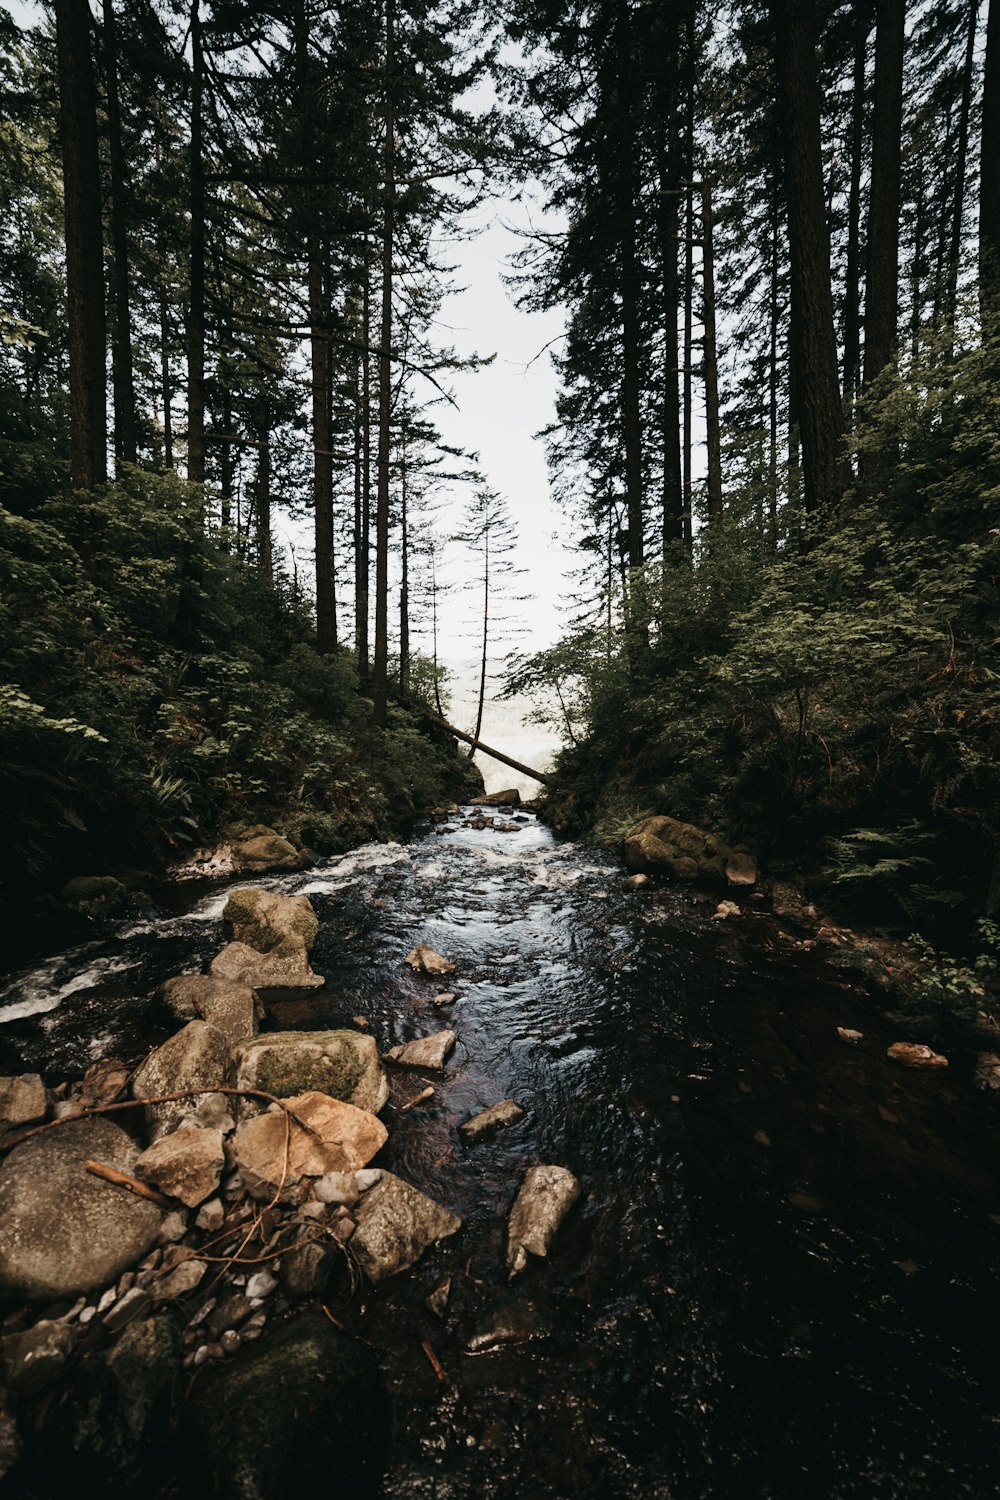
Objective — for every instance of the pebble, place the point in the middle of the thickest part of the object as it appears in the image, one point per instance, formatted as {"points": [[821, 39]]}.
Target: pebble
{"points": [[261, 1284], [173, 1227], [88, 1315], [75, 1310], [199, 1356], [367, 1178], [211, 1215], [361, 1022], [131, 1305], [107, 1299], [230, 1341]]}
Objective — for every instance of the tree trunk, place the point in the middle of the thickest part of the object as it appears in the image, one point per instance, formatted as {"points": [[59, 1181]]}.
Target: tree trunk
{"points": [[713, 433], [84, 245], [196, 272], [166, 384], [485, 647], [772, 389], [404, 587], [629, 290], [989, 196], [852, 272], [961, 168], [916, 263], [122, 377], [265, 563], [380, 671], [363, 563], [882, 282], [326, 600], [226, 468], [668, 157], [821, 415]]}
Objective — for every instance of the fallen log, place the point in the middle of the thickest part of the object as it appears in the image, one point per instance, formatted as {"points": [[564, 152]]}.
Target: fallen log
{"points": [[469, 739]]}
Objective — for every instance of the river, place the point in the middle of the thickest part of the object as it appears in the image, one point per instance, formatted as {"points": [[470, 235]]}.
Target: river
{"points": [[781, 1277]]}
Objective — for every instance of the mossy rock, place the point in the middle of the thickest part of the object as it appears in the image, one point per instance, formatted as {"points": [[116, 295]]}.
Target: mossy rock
{"points": [[270, 923], [343, 1064], [302, 1412], [94, 895]]}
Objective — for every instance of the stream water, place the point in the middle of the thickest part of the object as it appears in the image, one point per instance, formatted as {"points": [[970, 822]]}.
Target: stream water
{"points": [[781, 1279]]}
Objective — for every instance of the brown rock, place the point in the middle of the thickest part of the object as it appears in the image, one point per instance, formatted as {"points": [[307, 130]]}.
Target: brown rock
{"points": [[343, 1064], [916, 1055], [272, 937], [196, 1060], [494, 1118], [426, 961], [849, 1037], [395, 1225], [426, 1053], [686, 852], [22, 1099], [344, 1139], [104, 1082], [638, 882], [186, 1164], [509, 798], [257, 853], [230, 1007], [545, 1198]]}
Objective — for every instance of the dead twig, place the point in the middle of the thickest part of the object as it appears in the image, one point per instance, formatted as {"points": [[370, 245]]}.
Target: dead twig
{"points": [[436, 1365], [122, 1179]]}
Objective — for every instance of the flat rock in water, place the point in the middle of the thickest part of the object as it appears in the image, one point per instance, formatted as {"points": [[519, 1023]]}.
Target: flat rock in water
{"points": [[546, 1196], [638, 882], [22, 1099], [63, 1231], [427, 1052], [849, 1037], [186, 1164], [395, 1225], [509, 798], [195, 1060], [916, 1055], [344, 1139], [230, 1007], [725, 909], [343, 1064], [494, 1118], [426, 961]]}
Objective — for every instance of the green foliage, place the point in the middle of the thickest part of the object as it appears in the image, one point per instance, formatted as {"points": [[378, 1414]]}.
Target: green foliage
{"points": [[944, 990], [157, 691]]}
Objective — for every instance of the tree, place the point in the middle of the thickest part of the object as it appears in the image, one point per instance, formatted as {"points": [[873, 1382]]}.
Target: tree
{"points": [[489, 534], [882, 282], [989, 192]]}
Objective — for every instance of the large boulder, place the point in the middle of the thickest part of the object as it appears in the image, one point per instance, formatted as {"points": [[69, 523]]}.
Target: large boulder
{"points": [[343, 1064], [395, 1225], [194, 1062], [95, 895], [63, 1231], [272, 937], [509, 798], [261, 850], [274, 1152], [669, 847], [304, 1411], [230, 1007]]}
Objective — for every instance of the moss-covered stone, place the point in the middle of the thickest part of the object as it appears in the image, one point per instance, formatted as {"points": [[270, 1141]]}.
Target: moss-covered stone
{"points": [[343, 1064], [302, 1412]]}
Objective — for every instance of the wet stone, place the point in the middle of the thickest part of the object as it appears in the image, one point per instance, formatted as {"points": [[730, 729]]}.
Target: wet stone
{"points": [[507, 1112], [396, 1224], [426, 1053], [545, 1198]]}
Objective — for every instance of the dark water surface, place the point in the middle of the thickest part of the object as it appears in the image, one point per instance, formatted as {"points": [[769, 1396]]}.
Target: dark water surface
{"points": [[782, 1277]]}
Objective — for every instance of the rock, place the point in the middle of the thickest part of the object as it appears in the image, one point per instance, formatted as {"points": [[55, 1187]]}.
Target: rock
{"points": [[367, 1179], [63, 1231], [437, 1301], [261, 1284], [211, 1216], [345, 1138], [546, 1196], [194, 1059], [849, 1037], [343, 1064], [510, 798], [10, 1438], [725, 909], [442, 1000], [34, 1358], [361, 1022], [94, 895], [230, 1341], [231, 1008], [114, 1416], [263, 850], [305, 1268], [987, 1074], [494, 1118], [127, 1309], [426, 961], [426, 1052], [104, 1082], [22, 1099], [186, 1164], [337, 1187], [182, 1279], [679, 849], [173, 1227], [395, 1225], [304, 1412], [916, 1055], [638, 882], [272, 937]]}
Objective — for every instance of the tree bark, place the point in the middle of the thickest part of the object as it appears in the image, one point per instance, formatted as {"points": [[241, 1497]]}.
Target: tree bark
{"points": [[404, 587], [989, 194], [166, 384], [713, 432], [122, 376], [380, 669], [852, 271], [882, 282], [961, 166], [629, 288], [84, 245], [326, 598], [196, 271], [265, 561], [821, 416], [363, 564]]}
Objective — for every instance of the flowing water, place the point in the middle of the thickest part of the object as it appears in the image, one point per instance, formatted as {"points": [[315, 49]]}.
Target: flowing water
{"points": [[781, 1279]]}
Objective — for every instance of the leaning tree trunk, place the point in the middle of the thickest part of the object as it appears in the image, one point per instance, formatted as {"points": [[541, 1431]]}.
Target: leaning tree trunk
{"points": [[84, 245], [821, 414], [380, 666], [122, 377]]}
